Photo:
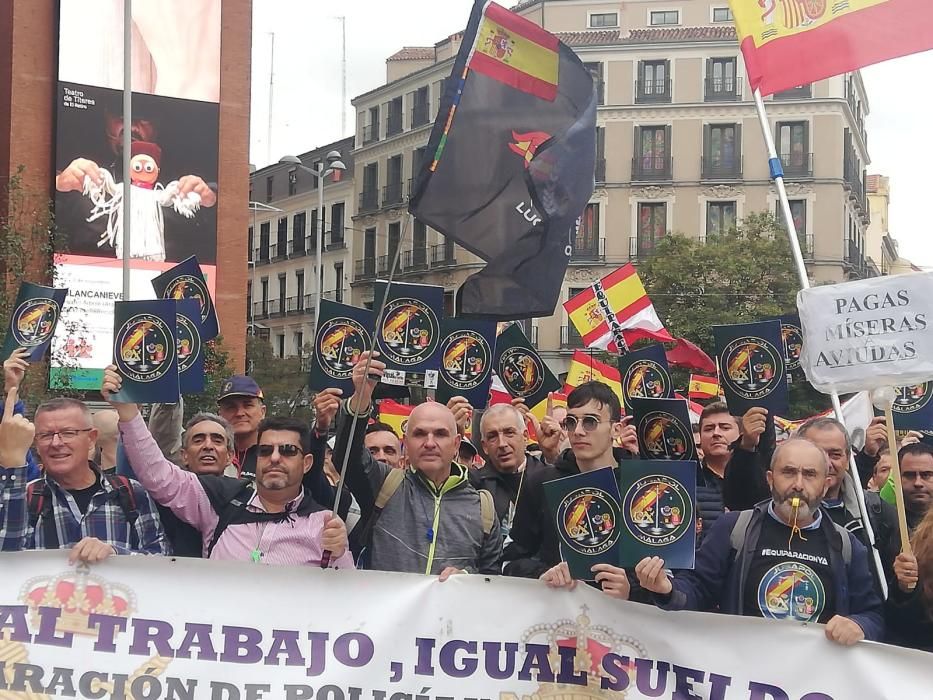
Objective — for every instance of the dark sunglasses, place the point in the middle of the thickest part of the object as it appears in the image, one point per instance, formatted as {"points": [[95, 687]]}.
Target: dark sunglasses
{"points": [[286, 450], [590, 423]]}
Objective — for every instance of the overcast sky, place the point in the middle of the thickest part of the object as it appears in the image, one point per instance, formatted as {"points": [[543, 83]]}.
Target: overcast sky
{"points": [[307, 88]]}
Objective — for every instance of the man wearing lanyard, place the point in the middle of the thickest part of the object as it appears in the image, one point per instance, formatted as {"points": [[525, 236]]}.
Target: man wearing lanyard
{"points": [[271, 521]]}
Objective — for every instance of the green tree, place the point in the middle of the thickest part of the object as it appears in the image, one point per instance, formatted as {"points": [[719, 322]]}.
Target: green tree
{"points": [[283, 380], [216, 369], [741, 276]]}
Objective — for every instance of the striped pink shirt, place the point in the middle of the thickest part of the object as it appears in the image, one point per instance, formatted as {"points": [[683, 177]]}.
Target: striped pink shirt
{"points": [[293, 542]]}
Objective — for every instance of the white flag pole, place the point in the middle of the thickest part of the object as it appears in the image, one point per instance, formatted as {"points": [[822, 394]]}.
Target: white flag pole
{"points": [[777, 174]]}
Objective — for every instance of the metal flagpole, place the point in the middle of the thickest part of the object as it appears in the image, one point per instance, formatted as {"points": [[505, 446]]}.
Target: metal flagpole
{"points": [[777, 174], [127, 138]]}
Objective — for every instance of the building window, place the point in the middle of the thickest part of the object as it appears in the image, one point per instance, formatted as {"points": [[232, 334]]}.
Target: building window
{"points": [[300, 289], [394, 117], [720, 218], [395, 233], [249, 245], [369, 196], [600, 154], [419, 245], [299, 343], [722, 14], [721, 151], [586, 242], [652, 226], [598, 20], [280, 342], [420, 107], [798, 210], [336, 224], [652, 153], [281, 246], [654, 84], [338, 281], [264, 241], [721, 82], [661, 18], [298, 232], [269, 188], [596, 70], [793, 146], [292, 182]]}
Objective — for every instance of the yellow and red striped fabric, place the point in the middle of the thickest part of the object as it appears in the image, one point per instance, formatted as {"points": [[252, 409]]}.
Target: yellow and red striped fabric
{"points": [[395, 414], [583, 368], [787, 43], [703, 387]]}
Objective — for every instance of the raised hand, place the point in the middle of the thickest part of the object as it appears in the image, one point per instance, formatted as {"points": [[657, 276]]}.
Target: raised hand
{"points": [[14, 369], [326, 403], [462, 411], [363, 384], [752, 425], [16, 434], [652, 576], [110, 386]]}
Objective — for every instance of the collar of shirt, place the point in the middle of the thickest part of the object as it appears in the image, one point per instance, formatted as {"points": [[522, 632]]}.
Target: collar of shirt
{"points": [[812, 526], [256, 504]]}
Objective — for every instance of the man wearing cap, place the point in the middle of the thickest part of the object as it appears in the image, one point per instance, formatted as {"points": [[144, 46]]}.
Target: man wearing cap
{"points": [[241, 403]]}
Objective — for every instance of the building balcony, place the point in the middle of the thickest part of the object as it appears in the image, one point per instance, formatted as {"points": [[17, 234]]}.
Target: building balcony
{"points": [[311, 243], [420, 114], [797, 165], [415, 259], [855, 258], [338, 295], [295, 306], [652, 91], [261, 256], [722, 89], [297, 248], [309, 302], [721, 168], [801, 92], [600, 170], [369, 200], [394, 124], [590, 251], [383, 263], [852, 179], [533, 336], [370, 134], [364, 269], [276, 307], [443, 254], [392, 194], [570, 338], [260, 310], [277, 252], [335, 240], [652, 168], [640, 247]]}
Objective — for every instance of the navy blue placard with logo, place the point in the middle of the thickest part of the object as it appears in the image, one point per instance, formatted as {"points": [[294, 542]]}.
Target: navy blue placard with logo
{"points": [[658, 512], [751, 366], [186, 281], [792, 338], [190, 346], [521, 369], [663, 428], [467, 349], [343, 334], [410, 334], [145, 351], [585, 509], [913, 407], [644, 373], [33, 320]]}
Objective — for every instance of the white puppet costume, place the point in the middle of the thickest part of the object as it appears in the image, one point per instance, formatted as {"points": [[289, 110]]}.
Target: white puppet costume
{"points": [[147, 224]]}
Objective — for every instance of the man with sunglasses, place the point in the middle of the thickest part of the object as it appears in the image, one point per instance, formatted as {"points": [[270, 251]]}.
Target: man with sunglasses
{"points": [[593, 421], [273, 520], [73, 505]]}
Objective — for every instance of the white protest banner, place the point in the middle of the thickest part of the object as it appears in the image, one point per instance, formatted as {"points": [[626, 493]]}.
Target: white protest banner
{"points": [[151, 627], [869, 333]]}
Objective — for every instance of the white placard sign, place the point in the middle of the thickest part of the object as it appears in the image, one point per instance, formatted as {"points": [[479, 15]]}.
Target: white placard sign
{"points": [[867, 334]]}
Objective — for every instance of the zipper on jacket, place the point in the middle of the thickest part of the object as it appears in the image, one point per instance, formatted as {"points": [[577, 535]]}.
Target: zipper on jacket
{"points": [[437, 516]]}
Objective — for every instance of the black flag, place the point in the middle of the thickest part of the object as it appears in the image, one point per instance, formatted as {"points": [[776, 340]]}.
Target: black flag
{"points": [[511, 163]]}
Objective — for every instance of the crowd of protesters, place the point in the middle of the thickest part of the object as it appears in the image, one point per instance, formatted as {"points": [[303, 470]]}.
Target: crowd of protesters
{"points": [[241, 485]]}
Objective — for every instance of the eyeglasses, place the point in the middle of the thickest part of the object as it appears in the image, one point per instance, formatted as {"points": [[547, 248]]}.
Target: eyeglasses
{"points": [[590, 423], [913, 476], [65, 435], [286, 450]]}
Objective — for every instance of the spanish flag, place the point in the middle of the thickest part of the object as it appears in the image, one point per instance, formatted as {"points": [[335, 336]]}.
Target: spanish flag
{"points": [[583, 368], [395, 414], [794, 42], [703, 387]]}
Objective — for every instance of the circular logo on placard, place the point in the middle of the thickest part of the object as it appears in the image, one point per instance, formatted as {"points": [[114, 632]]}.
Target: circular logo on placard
{"points": [[909, 399], [465, 359], [409, 331], [189, 342], [144, 348], [754, 367], [657, 510], [664, 436], [34, 320], [190, 287], [339, 344], [521, 372], [586, 520], [793, 345], [645, 379], [791, 591]]}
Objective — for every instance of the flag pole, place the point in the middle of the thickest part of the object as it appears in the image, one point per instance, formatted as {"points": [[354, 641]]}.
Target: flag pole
{"points": [[777, 174]]}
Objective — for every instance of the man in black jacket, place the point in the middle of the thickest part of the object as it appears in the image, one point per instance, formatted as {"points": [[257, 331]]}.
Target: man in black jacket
{"points": [[593, 421], [718, 430]]}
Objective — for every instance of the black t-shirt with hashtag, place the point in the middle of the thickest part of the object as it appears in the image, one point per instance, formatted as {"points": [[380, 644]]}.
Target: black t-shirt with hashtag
{"points": [[790, 581]]}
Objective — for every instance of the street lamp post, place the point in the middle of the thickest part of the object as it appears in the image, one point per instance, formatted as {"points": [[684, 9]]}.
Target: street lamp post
{"points": [[331, 163]]}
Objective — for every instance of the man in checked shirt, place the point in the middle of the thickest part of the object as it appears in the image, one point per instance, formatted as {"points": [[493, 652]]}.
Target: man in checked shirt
{"points": [[73, 505]]}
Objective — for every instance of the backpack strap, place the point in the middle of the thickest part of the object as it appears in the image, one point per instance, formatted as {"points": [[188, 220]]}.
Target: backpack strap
{"points": [[740, 530], [39, 505], [127, 498], [487, 507], [228, 512], [846, 543], [393, 480]]}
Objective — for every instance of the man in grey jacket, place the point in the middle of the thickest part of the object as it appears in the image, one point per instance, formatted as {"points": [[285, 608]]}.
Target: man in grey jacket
{"points": [[427, 518]]}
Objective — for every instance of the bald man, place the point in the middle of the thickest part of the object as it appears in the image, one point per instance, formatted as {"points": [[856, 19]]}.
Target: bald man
{"points": [[429, 518]]}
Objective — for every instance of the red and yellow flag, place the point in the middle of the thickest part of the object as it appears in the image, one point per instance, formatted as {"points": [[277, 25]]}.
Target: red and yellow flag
{"points": [[787, 43], [584, 368], [395, 414], [703, 387], [517, 52]]}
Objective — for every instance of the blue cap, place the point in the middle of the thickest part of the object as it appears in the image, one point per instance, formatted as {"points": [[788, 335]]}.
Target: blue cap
{"points": [[240, 385]]}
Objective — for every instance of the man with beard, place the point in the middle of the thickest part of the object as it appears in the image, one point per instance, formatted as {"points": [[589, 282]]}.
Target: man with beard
{"points": [[782, 560]]}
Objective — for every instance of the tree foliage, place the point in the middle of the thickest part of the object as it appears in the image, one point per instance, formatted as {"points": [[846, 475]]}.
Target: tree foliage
{"points": [[216, 369], [741, 276], [283, 380]]}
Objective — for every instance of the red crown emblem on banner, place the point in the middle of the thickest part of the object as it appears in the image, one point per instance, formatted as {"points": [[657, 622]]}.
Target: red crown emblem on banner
{"points": [[77, 594]]}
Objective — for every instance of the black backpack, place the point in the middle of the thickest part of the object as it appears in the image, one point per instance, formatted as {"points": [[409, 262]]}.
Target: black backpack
{"points": [[39, 505]]}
